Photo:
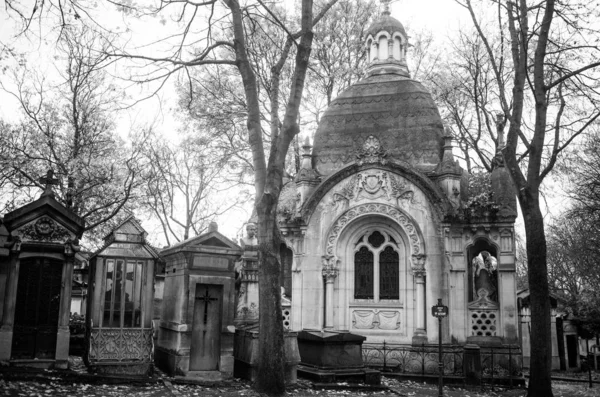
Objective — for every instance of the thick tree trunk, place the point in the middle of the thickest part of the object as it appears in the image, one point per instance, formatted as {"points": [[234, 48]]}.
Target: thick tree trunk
{"points": [[541, 343], [271, 372]]}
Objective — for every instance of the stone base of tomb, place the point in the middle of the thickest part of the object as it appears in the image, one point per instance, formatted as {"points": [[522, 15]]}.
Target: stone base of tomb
{"points": [[334, 356], [364, 375], [246, 355], [485, 341], [39, 363], [129, 369], [177, 362]]}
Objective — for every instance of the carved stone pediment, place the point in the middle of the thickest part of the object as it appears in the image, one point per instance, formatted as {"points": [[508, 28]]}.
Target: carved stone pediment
{"points": [[44, 229]]}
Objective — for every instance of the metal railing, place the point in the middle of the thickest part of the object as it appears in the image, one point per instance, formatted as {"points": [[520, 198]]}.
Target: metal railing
{"points": [[501, 364], [414, 359]]}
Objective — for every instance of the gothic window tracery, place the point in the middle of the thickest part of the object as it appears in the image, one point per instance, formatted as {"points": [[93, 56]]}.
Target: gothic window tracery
{"points": [[376, 267]]}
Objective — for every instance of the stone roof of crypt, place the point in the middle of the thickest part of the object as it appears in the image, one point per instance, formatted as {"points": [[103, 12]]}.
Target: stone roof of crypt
{"points": [[397, 110], [387, 104]]}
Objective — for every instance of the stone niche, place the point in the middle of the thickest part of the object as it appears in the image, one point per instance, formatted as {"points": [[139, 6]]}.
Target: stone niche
{"points": [[36, 269], [196, 327], [119, 319]]}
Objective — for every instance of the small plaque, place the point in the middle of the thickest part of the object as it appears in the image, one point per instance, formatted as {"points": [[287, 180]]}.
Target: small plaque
{"points": [[439, 310]]}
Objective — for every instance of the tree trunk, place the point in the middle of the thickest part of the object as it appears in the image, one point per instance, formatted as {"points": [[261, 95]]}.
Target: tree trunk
{"points": [[271, 372], [541, 342]]}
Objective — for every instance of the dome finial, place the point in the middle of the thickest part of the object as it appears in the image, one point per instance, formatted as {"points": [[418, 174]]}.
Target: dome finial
{"points": [[386, 7]]}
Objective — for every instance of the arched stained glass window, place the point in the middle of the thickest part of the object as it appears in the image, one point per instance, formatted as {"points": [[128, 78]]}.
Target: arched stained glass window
{"points": [[376, 267], [363, 276], [389, 274]]}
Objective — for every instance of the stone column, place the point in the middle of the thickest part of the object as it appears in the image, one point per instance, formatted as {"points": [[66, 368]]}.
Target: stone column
{"points": [[330, 273], [63, 333], [10, 301], [418, 269]]}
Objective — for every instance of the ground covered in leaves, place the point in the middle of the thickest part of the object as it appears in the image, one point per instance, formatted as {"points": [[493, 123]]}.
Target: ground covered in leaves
{"points": [[55, 386], [54, 383]]}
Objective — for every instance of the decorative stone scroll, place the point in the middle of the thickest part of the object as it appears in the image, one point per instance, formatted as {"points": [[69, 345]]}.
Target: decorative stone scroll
{"points": [[403, 220]]}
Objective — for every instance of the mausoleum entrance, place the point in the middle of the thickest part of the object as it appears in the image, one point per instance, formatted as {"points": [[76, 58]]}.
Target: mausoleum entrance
{"points": [[206, 328], [37, 308]]}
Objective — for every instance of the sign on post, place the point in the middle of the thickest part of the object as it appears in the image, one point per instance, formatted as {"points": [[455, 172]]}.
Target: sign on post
{"points": [[440, 311]]}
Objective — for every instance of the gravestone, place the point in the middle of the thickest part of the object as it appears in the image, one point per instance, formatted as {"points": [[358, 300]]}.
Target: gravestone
{"points": [[195, 334], [37, 270]]}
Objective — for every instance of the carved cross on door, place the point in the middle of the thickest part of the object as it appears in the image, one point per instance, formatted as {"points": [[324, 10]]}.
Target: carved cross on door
{"points": [[49, 180], [206, 298]]}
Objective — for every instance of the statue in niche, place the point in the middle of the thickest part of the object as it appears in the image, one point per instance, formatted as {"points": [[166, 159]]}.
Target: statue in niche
{"points": [[485, 275]]}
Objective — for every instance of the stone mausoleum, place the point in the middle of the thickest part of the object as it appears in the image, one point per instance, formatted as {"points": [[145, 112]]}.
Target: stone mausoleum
{"points": [[382, 224]]}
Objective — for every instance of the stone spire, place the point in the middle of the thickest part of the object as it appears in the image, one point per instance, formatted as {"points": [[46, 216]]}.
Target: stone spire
{"points": [[387, 43]]}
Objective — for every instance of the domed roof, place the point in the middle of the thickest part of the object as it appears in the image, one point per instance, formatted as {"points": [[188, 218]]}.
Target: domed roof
{"points": [[386, 23], [398, 111]]}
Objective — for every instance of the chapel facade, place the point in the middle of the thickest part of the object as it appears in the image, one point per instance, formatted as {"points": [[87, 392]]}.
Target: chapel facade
{"points": [[380, 222]]}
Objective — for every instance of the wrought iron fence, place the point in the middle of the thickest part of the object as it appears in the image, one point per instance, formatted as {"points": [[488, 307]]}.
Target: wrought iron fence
{"points": [[498, 364], [501, 362], [419, 359]]}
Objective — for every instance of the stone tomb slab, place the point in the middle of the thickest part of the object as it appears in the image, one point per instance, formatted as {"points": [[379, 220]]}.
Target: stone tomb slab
{"points": [[334, 356]]}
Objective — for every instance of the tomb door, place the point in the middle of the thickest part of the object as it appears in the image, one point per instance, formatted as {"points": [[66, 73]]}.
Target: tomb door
{"points": [[206, 328], [37, 309]]}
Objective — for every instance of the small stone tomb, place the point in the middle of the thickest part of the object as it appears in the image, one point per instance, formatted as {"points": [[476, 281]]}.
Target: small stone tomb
{"points": [[334, 356], [195, 335], [120, 316]]}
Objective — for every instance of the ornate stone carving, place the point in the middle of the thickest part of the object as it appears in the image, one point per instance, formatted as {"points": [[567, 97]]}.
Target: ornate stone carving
{"points": [[418, 265], [376, 319], [389, 211], [401, 190], [483, 302], [115, 344], [346, 192], [44, 229], [330, 268], [372, 185], [371, 152]]}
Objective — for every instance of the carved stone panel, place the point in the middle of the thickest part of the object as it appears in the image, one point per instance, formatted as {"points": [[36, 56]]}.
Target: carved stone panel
{"points": [[382, 319]]}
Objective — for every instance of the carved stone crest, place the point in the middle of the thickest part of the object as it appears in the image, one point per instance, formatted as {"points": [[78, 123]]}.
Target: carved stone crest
{"points": [[371, 152], [44, 229], [373, 185]]}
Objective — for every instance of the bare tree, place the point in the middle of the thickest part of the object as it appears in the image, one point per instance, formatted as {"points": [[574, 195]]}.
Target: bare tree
{"points": [[69, 128], [547, 100], [180, 183]]}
